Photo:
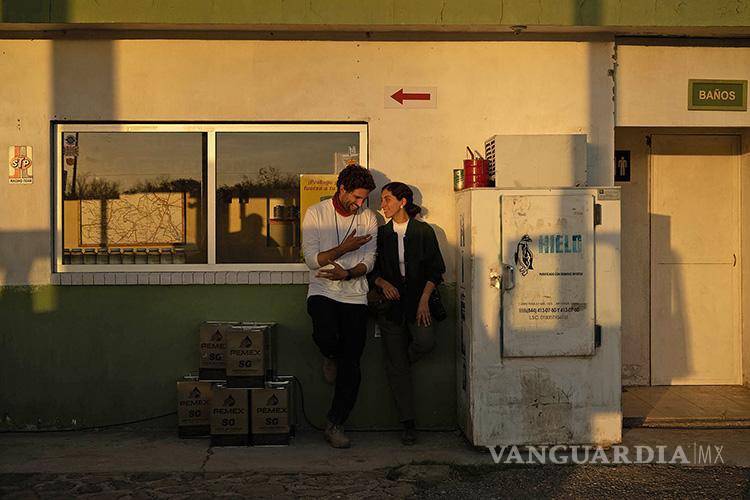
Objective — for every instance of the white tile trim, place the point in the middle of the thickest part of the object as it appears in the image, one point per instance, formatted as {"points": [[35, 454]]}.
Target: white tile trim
{"points": [[203, 278]]}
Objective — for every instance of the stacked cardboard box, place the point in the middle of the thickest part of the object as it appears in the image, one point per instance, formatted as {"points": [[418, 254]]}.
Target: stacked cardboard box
{"points": [[270, 414], [249, 360], [236, 398], [229, 417], [212, 346], [193, 403]]}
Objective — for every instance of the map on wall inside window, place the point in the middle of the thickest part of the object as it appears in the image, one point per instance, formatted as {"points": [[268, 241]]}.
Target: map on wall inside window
{"points": [[134, 219]]}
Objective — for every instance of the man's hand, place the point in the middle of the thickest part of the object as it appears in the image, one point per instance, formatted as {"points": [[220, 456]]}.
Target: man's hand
{"points": [[390, 291], [350, 243], [423, 312], [336, 273], [353, 242]]}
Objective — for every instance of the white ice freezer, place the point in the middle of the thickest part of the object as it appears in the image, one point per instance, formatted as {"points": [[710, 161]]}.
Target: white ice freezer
{"points": [[539, 316]]}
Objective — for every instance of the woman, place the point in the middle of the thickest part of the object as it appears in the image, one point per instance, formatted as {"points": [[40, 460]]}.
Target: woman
{"points": [[408, 268]]}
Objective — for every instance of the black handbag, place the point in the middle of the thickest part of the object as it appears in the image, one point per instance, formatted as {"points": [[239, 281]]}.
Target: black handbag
{"points": [[376, 302], [437, 309]]}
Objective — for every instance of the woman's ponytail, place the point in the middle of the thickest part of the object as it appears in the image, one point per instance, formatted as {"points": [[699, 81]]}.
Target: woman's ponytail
{"points": [[412, 210]]}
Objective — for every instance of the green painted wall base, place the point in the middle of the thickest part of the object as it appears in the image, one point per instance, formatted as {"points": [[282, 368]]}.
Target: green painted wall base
{"points": [[96, 355], [426, 13]]}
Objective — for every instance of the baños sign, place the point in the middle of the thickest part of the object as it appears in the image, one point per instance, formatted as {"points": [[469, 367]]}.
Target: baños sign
{"points": [[717, 95]]}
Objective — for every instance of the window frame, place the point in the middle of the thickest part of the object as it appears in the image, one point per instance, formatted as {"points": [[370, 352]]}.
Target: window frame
{"points": [[210, 129]]}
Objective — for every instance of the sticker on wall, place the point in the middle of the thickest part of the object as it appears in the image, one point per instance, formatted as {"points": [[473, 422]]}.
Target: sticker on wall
{"points": [[398, 96], [70, 144], [524, 257], [622, 166], [20, 167]]}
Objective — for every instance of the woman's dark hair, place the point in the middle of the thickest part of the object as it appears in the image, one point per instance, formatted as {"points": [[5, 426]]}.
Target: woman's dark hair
{"points": [[401, 191], [355, 177]]}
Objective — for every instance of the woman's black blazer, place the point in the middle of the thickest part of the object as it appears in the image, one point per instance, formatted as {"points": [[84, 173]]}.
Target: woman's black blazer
{"points": [[422, 259]]}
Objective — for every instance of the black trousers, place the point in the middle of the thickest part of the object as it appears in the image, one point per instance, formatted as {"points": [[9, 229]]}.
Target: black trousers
{"points": [[403, 344], [340, 330]]}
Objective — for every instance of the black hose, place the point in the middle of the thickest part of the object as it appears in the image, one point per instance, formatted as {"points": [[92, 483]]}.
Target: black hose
{"points": [[302, 403], [91, 428], [148, 419]]}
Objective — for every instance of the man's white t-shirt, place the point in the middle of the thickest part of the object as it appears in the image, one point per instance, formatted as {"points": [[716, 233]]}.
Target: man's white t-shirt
{"points": [[400, 230], [322, 229]]}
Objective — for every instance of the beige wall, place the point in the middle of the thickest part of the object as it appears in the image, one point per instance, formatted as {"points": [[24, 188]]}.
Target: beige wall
{"points": [[483, 89], [652, 85], [635, 238], [652, 91], [745, 249]]}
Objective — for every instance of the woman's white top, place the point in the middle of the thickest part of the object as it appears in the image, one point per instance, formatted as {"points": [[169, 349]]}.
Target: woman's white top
{"points": [[400, 230]]}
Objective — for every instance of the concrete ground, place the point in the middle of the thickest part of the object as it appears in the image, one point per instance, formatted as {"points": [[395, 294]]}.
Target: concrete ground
{"points": [[156, 464], [707, 405], [162, 451]]}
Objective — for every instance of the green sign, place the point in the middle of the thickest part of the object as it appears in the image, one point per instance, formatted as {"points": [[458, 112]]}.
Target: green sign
{"points": [[717, 95]]}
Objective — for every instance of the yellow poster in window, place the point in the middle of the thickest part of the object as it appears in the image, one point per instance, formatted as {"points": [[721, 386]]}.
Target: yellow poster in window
{"points": [[314, 188]]}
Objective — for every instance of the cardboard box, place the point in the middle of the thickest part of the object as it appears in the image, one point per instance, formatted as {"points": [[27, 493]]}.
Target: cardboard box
{"points": [[230, 425], [212, 340], [270, 416], [249, 354], [193, 407]]}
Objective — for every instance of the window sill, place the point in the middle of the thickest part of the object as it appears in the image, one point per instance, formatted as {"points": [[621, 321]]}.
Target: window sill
{"points": [[295, 277]]}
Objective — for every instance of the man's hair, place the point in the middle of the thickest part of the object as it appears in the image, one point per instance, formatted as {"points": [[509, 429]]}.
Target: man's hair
{"points": [[355, 177]]}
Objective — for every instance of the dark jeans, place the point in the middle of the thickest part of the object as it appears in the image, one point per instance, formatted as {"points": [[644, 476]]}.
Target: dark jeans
{"points": [[339, 330], [403, 344]]}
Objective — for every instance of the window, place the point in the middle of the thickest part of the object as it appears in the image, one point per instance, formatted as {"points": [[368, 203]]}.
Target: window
{"points": [[258, 193], [159, 197]]}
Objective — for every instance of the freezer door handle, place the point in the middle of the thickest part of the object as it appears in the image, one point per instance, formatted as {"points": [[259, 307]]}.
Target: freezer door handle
{"points": [[509, 277], [495, 279]]}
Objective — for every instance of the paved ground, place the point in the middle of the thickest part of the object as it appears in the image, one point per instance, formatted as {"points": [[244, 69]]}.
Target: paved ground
{"points": [[413, 481], [158, 465], [688, 405]]}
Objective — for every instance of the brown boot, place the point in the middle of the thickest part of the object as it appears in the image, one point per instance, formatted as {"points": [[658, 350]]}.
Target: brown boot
{"points": [[335, 436], [409, 436], [329, 370]]}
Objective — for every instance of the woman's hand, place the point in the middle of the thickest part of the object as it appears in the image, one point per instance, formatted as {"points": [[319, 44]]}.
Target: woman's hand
{"points": [[423, 312], [390, 291]]}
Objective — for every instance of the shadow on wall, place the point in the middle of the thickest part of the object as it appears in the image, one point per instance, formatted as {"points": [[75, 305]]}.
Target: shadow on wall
{"points": [[381, 180], [82, 82], [19, 251]]}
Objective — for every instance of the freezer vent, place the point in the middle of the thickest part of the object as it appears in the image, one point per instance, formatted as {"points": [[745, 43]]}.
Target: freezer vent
{"points": [[489, 155]]}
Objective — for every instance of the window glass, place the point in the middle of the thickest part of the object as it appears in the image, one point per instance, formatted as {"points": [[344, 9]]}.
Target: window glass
{"points": [[134, 197], [258, 189]]}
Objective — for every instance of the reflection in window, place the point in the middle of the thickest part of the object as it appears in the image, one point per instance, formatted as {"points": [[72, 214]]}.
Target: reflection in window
{"points": [[258, 199], [133, 198]]}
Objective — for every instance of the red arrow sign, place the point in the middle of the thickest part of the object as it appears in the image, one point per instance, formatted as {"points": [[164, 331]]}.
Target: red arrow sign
{"points": [[402, 96]]}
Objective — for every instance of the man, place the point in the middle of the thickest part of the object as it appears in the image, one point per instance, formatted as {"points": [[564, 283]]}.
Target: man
{"points": [[338, 242]]}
